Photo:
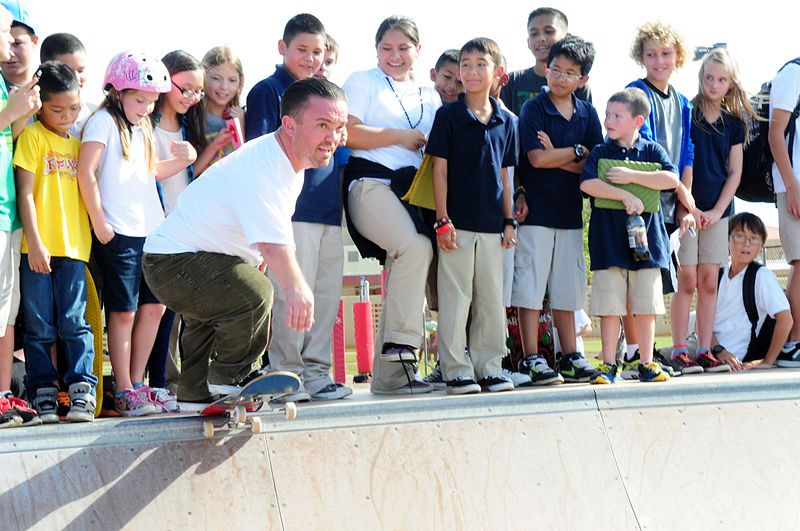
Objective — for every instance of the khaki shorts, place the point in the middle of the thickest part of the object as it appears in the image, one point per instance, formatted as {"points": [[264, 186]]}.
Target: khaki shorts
{"points": [[10, 245], [789, 230], [549, 260], [614, 289], [710, 246]]}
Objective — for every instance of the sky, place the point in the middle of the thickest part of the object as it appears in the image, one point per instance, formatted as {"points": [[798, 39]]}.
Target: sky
{"points": [[253, 27]]}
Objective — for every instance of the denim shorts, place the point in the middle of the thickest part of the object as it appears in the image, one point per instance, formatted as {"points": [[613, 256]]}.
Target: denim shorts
{"points": [[120, 261]]}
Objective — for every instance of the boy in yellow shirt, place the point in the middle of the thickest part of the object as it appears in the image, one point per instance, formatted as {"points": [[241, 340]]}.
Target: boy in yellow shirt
{"points": [[55, 248]]}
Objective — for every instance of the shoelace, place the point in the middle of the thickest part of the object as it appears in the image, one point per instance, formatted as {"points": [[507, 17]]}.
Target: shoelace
{"points": [[18, 403], [582, 362]]}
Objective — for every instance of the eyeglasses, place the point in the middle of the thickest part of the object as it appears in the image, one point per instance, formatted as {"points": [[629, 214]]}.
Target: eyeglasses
{"points": [[558, 74], [739, 237], [198, 94]]}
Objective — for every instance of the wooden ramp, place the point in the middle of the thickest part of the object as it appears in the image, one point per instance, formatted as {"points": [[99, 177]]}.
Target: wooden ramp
{"points": [[570, 457]]}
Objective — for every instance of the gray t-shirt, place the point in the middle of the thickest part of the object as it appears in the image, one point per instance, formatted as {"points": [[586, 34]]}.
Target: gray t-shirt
{"points": [[669, 122]]}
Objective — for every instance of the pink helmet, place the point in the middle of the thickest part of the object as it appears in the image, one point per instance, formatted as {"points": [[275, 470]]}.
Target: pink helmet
{"points": [[137, 71]]}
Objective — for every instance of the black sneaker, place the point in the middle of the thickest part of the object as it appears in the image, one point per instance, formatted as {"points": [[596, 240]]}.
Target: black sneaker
{"points": [[495, 383], [435, 377], [671, 368], [574, 368], [462, 385], [540, 373], [789, 358], [9, 418]]}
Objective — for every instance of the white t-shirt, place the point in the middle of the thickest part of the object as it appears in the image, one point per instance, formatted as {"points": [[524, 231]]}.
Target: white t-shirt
{"points": [[127, 188], [172, 187], [375, 99], [86, 111], [784, 95], [244, 199], [731, 325]]}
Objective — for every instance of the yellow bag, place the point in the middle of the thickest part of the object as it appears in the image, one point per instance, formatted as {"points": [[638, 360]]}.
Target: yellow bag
{"points": [[421, 191]]}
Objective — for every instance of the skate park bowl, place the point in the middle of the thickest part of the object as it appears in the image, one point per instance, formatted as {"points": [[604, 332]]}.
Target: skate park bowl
{"points": [[698, 452]]}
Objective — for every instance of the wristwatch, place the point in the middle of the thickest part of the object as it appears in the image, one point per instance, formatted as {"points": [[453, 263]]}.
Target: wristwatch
{"points": [[580, 153], [717, 349], [510, 222]]}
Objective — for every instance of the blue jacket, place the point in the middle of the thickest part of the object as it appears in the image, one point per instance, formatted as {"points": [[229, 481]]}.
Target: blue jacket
{"points": [[687, 146]]}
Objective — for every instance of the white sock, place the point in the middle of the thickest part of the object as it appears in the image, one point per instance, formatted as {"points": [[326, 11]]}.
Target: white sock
{"points": [[6, 394], [632, 348]]}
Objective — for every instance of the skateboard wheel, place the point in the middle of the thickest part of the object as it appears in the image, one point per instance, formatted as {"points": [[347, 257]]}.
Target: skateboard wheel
{"points": [[208, 429], [291, 411], [256, 425], [241, 415]]}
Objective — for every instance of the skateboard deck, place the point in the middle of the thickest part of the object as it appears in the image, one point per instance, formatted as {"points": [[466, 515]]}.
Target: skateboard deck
{"points": [[94, 318], [238, 408]]}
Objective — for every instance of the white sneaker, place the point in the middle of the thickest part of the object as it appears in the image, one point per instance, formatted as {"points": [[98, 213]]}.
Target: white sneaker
{"points": [[517, 378]]}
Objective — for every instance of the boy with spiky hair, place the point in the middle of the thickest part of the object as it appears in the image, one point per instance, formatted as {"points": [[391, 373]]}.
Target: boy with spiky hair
{"points": [[68, 49], [303, 50], [546, 26], [473, 207]]}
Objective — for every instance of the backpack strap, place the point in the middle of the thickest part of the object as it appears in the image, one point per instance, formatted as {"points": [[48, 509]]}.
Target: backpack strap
{"points": [[792, 125], [749, 296]]}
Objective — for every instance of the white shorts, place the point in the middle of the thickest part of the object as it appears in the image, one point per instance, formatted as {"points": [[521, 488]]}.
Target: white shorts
{"points": [[10, 245]]}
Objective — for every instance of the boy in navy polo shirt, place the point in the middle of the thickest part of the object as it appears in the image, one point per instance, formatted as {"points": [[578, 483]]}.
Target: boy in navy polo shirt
{"points": [[557, 131], [472, 142], [303, 50], [618, 279]]}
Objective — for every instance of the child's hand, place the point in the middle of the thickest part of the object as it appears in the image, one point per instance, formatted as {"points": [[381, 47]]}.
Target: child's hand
{"points": [[712, 216], [521, 208], [222, 139], [544, 139], [758, 364], [633, 205], [447, 241], [700, 218], [731, 360], [104, 234], [24, 101], [413, 139], [39, 258], [509, 237], [686, 222], [235, 112], [686, 198], [620, 175], [183, 150]]}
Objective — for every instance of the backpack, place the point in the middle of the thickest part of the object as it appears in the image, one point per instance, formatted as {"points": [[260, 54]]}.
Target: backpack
{"points": [[759, 344], [757, 184]]}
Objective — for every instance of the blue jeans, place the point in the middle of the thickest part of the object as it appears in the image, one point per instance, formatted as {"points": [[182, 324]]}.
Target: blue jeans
{"points": [[55, 308]]}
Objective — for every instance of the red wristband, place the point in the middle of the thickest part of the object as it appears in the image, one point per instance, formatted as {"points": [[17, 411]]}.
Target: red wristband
{"points": [[444, 229]]}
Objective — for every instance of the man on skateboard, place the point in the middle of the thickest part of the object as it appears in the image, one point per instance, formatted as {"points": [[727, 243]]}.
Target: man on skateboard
{"points": [[207, 260]]}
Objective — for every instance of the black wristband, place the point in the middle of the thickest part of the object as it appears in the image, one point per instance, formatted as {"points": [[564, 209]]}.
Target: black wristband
{"points": [[510, 222], [441, 222]]}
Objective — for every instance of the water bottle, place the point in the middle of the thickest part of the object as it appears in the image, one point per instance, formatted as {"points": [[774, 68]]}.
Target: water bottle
{"points": [[637, 238], [363, 289]]}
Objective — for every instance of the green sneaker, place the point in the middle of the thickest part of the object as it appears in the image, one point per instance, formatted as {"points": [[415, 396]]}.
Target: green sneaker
{"points": [[630, 368], [574, 368]]}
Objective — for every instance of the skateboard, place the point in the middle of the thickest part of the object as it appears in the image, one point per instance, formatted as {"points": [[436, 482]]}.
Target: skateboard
{"points": [[94, 318], [239, 408]]}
